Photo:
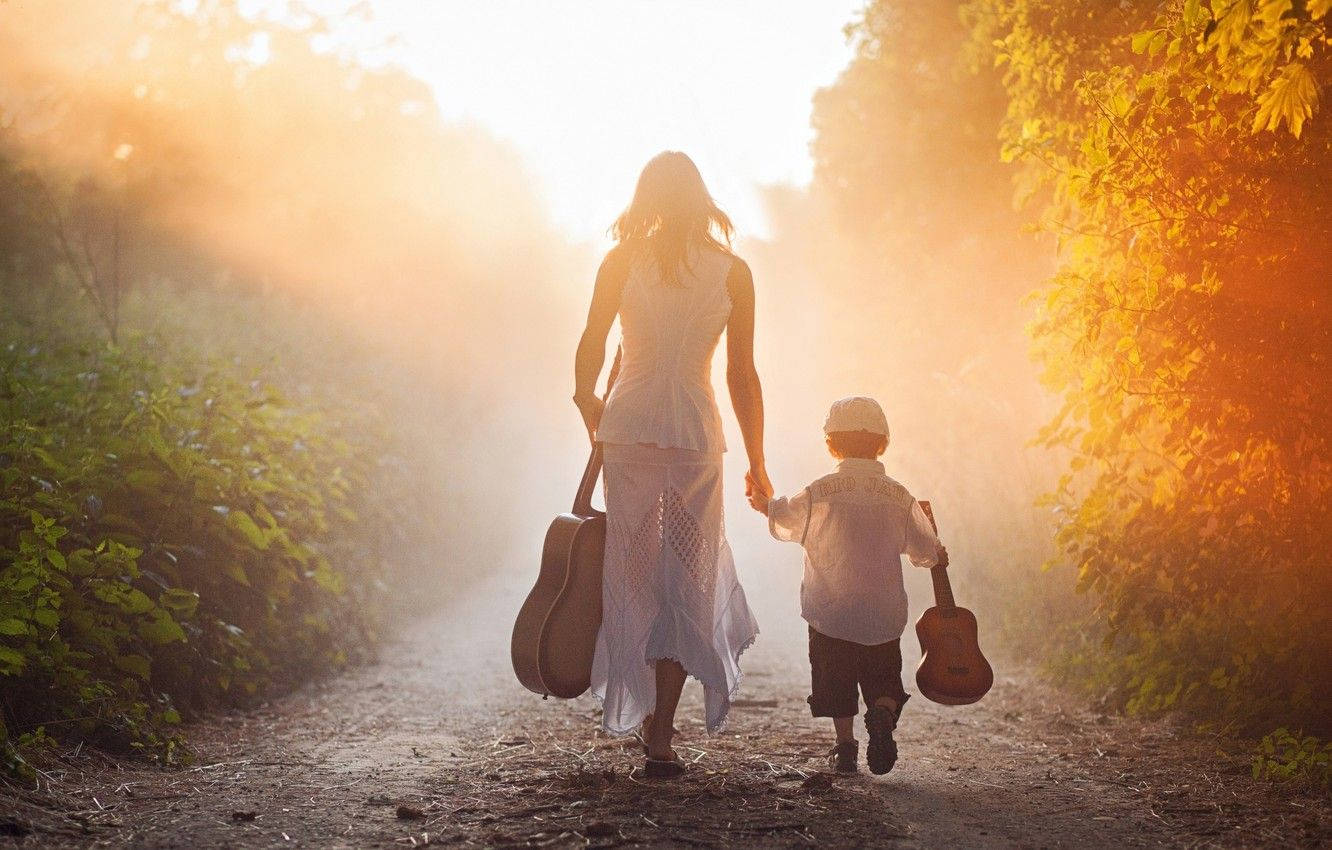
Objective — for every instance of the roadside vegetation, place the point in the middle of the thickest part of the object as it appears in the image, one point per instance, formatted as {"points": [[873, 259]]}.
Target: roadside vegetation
{"points": [[1171, 160]]}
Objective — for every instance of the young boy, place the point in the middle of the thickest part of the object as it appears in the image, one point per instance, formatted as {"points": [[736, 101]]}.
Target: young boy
{"points": [[854, 525]]}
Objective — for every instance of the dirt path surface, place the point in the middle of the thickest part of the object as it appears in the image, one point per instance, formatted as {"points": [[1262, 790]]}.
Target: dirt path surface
{"points": [[437, 745]]}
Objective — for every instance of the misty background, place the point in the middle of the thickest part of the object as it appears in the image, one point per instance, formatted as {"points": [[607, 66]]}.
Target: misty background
{"points": [[265, 195]]}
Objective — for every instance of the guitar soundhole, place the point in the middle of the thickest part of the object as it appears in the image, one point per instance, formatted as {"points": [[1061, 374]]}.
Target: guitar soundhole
{"points": [[958, 671]]}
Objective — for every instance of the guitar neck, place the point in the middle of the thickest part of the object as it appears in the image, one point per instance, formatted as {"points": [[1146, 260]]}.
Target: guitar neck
{"points": [[943, 591], [582, 504]]}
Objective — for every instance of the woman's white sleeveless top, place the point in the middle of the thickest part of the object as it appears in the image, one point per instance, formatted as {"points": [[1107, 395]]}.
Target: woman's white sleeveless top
{"points": [[663, 395]]}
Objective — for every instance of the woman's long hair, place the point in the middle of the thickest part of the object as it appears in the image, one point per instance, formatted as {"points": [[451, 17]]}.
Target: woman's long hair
{"points": [[672, 212]]}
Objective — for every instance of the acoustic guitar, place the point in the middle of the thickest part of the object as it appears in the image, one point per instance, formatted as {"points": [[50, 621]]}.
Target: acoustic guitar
{"points": [[952, 669], [555, 634]]}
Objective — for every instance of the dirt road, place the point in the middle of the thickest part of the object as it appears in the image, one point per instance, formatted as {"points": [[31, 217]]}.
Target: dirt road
{"points": [[436, 744]]}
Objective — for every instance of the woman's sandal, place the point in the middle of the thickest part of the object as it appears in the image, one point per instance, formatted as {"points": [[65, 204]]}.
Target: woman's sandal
{"points": [[663, 768], [642, 739]]}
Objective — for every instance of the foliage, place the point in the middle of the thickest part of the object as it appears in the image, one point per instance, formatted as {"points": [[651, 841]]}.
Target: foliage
{"points": [[219, 144], [909, 243], [1285, 756], [1182, 161], [904, 144], [212, 172], [174, 534]]}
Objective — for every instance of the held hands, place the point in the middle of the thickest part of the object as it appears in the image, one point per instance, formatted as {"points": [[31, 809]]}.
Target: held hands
{"points": [[942, 556], [758, 489], [591, 408]]}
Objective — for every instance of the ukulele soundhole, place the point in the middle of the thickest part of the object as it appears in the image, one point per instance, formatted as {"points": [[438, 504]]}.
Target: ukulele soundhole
{"points": [[958, 670]]}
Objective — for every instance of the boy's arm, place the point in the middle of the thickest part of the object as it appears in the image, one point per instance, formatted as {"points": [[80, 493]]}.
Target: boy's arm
{"points": [[788, 517], [922, 544]]}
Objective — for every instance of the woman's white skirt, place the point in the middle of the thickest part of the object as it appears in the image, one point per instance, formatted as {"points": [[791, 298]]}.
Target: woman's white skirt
{"points": [[669, 589]]}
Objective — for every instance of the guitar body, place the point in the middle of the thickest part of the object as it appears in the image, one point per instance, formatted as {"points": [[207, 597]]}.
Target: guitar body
{"points": [[952, 670], [555, 634]]}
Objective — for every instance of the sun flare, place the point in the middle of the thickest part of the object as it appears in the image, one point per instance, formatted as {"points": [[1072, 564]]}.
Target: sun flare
{"points": [[588, 91]]}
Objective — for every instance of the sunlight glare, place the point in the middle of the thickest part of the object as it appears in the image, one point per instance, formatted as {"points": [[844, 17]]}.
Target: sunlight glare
{"points": [[588, 91]]}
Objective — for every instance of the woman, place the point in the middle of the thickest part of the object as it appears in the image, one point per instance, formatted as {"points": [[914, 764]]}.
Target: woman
{"points": [[672, 606]]}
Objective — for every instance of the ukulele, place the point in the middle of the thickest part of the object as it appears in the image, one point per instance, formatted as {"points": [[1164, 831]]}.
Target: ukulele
{"points": [[952, 669], [555, 635]]}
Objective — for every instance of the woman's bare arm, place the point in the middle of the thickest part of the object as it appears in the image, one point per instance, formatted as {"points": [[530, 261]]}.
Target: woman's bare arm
{"points": [[742, 378], [591, 354]]}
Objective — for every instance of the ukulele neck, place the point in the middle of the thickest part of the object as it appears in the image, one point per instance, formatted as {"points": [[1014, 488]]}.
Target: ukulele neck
{"points": [[943, 591]]}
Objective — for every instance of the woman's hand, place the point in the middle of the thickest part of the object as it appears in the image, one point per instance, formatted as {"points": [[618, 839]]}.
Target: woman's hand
{"points": [[758, 489], [591, 408], [758, 502]]}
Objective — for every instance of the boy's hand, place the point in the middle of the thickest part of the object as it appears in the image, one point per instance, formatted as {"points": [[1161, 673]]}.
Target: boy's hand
{"points": [[758, 490], [943, 556], [758, 502]]}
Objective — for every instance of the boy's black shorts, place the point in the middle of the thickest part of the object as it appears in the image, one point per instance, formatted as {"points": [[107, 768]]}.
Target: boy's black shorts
{"points": [[837, 666]]}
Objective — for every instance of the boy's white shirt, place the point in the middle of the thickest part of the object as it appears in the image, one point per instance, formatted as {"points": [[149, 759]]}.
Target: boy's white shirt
{"points": [[854, 525]]}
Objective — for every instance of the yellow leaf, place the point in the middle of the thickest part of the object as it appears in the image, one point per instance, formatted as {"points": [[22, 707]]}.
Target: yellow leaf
{"points": [[1191, 12], [1291, 98]]}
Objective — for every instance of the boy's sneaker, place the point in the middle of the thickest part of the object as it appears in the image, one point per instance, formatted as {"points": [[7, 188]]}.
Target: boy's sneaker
{"points": [[842, 758], [880, 721]]}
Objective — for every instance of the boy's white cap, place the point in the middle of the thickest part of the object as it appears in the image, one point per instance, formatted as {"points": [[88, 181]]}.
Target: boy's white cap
{"points": [[856, 413]]}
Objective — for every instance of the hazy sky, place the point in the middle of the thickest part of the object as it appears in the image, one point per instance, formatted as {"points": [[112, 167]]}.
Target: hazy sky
{"points": [[588, 90]]}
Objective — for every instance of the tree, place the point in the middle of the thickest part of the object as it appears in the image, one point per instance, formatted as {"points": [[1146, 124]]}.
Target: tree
{"points": [[1181, 160], [899, 274]]}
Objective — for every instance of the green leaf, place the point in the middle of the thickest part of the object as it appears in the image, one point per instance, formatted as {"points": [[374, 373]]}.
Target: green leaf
{"points": [[136, 665], [12, 626], [179, 601], [131, 600], [45, 457], [144, 479], [162, 629], [157, 445], [57, 560], [11, 661], [245, 524], [80, 562]]}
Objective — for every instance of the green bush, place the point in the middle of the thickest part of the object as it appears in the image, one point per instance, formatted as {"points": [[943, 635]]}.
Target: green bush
{"points": [[1227, 666], [1283, 756], [174, 534]]}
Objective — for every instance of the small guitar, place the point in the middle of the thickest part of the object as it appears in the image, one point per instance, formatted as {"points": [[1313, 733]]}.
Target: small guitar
{"points": [[555, 635], [952, 669]]}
